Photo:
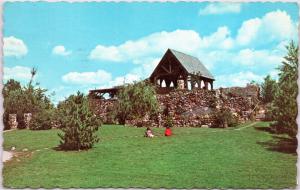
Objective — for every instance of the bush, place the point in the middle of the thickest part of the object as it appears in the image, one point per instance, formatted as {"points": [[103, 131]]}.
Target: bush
{"points": [[169, 121], [41, 121], [135, 101], [225, 118], [78, 124]]}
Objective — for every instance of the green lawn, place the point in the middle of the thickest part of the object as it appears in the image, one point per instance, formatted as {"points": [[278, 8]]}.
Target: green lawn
{"points": [[193, 158]]}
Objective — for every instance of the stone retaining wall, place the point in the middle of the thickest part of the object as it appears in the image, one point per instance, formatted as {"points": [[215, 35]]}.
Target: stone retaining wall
{"points": [[193, 108]]}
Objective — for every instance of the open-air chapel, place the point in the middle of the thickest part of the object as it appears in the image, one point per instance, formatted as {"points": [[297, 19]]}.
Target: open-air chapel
{"points": [[176, 70], [182, 71]]}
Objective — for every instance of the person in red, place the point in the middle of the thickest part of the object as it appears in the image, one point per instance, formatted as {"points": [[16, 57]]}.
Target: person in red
{"points": [[168, 131]]}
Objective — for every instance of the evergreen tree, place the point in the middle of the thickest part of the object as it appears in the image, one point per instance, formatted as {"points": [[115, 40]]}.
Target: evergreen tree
{"points": [[285, 104], [78, 124], [268, 89]]}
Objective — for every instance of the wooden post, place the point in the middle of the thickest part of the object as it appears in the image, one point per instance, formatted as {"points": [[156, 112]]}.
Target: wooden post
{"points": [[206, 85]]}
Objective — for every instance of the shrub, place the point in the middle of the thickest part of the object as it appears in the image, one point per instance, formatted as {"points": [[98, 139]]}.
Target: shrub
{"points": [[169, 121], [41, 121], [225, 118], [135, 101], [79, 125]]}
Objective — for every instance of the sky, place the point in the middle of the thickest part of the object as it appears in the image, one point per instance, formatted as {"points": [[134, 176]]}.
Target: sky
{"points": [[91, 45]]}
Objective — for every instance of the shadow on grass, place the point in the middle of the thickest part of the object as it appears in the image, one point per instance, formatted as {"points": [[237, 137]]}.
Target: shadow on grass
{"points": [[266, 129], [281, 144]]}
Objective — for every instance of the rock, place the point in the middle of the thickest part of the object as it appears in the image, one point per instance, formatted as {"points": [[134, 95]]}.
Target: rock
{"points": [[13, 148], [204, 126], [25, 149]]}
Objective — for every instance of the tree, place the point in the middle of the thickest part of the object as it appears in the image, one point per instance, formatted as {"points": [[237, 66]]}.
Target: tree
{"points": [[268, 89], [285, 105], [9, 86], [136, 101], [78, 124], [20, 99]]}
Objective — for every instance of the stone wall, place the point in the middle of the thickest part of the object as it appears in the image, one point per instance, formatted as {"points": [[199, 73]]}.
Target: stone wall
{"points": [[193, 108]]}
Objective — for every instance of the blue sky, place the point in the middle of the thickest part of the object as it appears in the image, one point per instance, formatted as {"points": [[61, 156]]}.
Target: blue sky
{"points": [[83, 46]]}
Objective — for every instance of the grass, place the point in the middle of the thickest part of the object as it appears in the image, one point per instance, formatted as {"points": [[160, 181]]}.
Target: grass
{"points": [[192, 158]]}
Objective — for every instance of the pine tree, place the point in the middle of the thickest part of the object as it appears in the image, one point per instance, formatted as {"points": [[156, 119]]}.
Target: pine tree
{"points": [[268, 89], [285, 111], [78, 124]]}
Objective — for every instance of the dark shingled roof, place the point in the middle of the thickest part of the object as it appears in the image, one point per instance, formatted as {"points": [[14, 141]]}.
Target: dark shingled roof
{"points": [[192, 64]]}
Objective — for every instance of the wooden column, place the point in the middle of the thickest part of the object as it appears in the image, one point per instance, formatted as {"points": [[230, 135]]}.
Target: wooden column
{"points": [[206, 85]]}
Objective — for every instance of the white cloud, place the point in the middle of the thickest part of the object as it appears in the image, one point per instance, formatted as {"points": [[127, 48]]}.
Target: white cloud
{"points": [[237, 79], [273, 26], [145, 67], [252, 57], [149, 46], [14, 47], [248, 31], [121, 80], [87, 78], [60, 50], [218, 40], [110, 53], [220, 8], [18, 73]]}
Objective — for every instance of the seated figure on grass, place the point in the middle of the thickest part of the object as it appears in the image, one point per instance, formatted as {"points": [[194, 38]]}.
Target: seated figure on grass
{"points": [[148, 133], [168, 131]]}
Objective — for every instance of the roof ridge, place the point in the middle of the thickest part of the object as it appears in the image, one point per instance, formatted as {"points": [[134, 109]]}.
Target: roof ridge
{"points": [[196, 67], [184, 53]]}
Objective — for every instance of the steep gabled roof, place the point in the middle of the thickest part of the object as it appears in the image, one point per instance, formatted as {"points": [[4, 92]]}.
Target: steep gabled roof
{"points": [[192, 64]]}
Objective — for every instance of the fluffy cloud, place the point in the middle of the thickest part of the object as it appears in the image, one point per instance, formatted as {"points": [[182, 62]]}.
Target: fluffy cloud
{"points": [[127, 79], [60, 50], [218, 40], [220, 8], [14, 47], [87, 78], [273, 26], [146, 49], [237, 79], [149, 46], [252, 57], [18, 73]]}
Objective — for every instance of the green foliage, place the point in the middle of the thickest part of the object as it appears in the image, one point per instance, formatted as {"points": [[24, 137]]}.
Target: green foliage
{"points": [[135, 101], [20, 99], [169, 121], [225, 118], [285, 105], [268, 89], [42, 120], [78, 124]]}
